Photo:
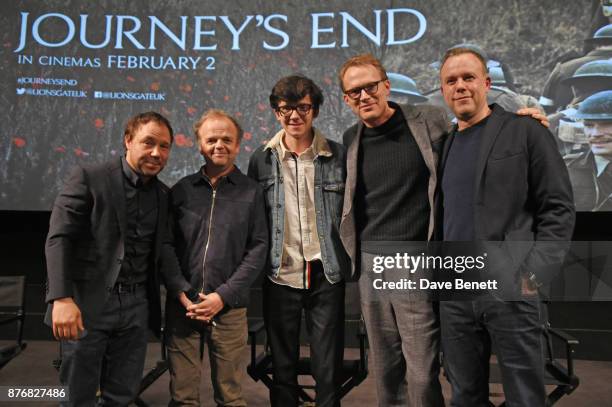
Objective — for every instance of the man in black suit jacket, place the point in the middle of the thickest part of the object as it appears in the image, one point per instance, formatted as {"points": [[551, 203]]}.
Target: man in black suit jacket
{"points": [[102, 253], [501, 179]]}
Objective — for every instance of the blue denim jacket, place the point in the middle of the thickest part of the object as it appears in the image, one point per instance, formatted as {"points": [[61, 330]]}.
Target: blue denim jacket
{"points": [[330, 175]]}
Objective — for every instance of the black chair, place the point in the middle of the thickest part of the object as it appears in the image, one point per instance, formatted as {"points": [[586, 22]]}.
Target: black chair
{"points": [[558, 374], [561, 375], [12, 311], [354, 371], [161, 366]]}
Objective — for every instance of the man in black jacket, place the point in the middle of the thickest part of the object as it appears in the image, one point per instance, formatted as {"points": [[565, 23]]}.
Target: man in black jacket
{"points": [[216, 247], [501, 179], [102, 256]]}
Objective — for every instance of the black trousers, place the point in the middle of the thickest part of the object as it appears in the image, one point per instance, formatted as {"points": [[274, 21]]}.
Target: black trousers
{"points": [[323, 305], [110, 354], [514, 328]]}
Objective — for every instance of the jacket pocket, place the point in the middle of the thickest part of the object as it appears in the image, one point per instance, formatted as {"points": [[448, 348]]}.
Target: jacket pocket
{"points": [[334, 187], [333, 197], [267, 186]]}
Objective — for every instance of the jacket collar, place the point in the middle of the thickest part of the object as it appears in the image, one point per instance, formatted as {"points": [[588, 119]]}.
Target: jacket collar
{"points": [[320, 145], [233, 176]]}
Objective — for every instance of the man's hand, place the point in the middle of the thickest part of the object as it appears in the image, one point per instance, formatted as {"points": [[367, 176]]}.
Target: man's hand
{"points": [[527, 288], [67, 320], [185, 302], [207, 308], [536, 114]]}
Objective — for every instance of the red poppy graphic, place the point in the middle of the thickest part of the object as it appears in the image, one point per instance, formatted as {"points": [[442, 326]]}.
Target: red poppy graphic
{"points": [[99, 123], [182, 141], [19, 142]]}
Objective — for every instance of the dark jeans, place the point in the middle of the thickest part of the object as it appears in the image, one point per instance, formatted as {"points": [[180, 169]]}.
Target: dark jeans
{"points": [[514, 328], [110, 354], [323, 305]]}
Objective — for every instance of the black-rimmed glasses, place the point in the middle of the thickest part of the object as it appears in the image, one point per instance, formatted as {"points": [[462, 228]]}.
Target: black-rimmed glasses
{"points": [[370, 89], [302, 109]]}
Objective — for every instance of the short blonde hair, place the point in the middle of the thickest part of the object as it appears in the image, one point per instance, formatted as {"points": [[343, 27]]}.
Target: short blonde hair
{"points": [[361, 60], [452, 52]]}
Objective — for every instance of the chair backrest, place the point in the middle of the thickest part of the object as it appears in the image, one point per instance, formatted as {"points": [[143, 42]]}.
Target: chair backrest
{"points": [[12, 311], [12, 290]]}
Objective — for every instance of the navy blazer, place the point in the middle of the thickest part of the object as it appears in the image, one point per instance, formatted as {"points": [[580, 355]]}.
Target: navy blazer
{"points": [[85, 245], [522, 192]]}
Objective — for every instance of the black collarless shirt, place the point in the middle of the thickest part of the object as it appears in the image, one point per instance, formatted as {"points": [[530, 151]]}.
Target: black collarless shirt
{"points": [[141, 212]]}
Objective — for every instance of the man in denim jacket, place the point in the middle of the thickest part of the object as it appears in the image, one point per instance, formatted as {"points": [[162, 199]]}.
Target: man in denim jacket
{"points": [[302, 174]]}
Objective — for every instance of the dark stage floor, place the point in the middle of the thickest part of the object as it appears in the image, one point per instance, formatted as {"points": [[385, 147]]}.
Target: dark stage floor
{"points": [[33, 367]]}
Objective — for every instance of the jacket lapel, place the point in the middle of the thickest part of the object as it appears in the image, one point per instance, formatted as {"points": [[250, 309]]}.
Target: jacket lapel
{"points": [[162, 210], [347, 222], [115, 180], [422, 136], [491, 131], [351, 172], [419, 131]]}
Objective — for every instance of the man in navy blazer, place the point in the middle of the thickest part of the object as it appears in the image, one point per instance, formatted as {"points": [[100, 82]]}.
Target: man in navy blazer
{"points": [[102, 253], [501, 179]]}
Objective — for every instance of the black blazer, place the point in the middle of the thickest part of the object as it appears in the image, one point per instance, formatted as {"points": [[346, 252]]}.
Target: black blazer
{"points": [[85, 244], [522, 192]]}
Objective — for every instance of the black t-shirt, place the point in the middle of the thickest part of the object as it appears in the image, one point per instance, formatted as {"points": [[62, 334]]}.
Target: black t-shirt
{"points": [[458, 183]]}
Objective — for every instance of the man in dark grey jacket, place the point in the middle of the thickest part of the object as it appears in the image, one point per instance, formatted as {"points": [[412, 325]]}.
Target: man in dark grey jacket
{"points": [[501, 179], [216, 247], [102, 254]]}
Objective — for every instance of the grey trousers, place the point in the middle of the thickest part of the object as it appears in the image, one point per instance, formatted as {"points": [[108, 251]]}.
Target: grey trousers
{"points": [[404, 339], [225, 342]]}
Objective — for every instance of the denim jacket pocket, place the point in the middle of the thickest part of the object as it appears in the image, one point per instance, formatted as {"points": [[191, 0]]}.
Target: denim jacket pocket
{"points": [[334, 187], [267, 185], [333, 196]]}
